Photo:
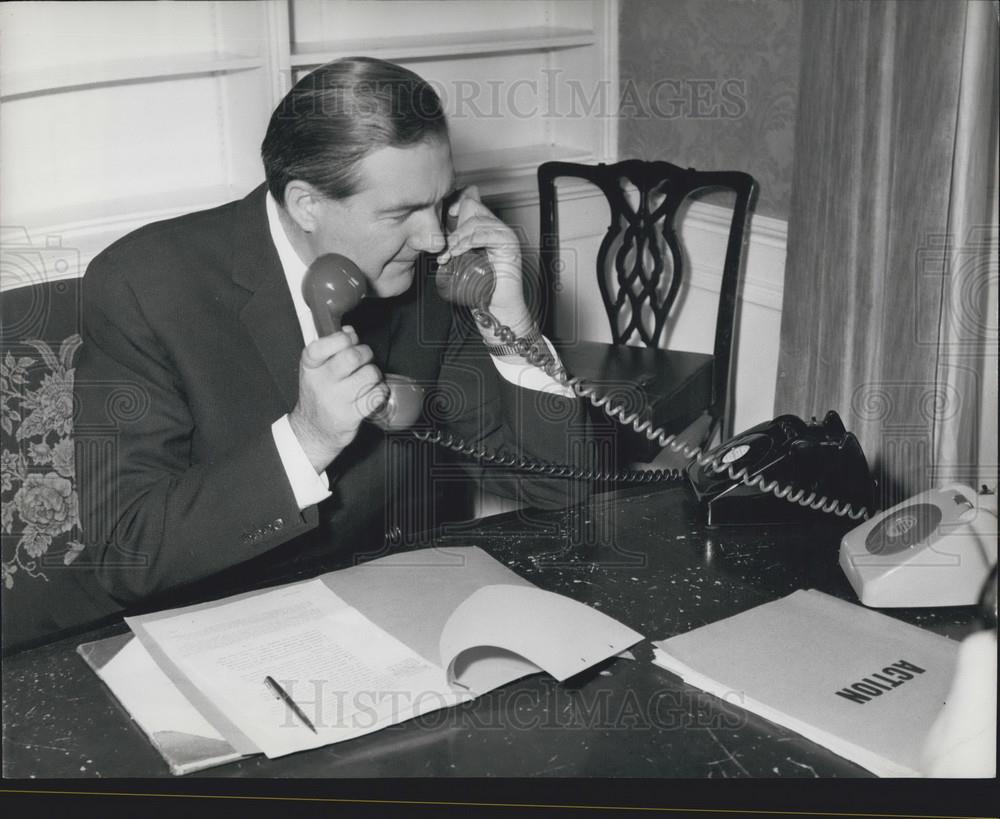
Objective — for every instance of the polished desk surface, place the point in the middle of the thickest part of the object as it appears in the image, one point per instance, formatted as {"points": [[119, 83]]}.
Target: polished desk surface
{"points": [[641, 556]]}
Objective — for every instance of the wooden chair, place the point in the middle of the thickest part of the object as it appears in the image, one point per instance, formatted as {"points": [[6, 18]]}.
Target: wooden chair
{"points": [[640, 267]]}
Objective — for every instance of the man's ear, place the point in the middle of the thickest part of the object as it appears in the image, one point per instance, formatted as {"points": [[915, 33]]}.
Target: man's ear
{"points": [[302, 202]]}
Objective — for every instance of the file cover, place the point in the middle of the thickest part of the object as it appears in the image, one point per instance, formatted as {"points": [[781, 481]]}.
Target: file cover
{"points": [[865, 685], [186, 740]]}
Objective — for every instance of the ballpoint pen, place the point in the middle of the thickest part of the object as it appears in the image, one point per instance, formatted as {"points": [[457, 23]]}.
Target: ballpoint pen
{"points": [[283, 695]]}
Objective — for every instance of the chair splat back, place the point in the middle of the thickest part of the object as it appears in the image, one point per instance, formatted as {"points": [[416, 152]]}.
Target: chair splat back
{"points": [[641, 263], [637, 287]]}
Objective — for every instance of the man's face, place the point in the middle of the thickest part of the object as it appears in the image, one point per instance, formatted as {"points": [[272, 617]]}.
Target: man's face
{"points": [[394, 216]]}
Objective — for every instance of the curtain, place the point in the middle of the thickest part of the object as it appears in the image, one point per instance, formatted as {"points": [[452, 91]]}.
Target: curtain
{"points": [[890, 255]]}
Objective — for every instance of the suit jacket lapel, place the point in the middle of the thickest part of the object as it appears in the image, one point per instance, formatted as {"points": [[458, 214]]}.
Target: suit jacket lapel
{"points": [[268, 315]]}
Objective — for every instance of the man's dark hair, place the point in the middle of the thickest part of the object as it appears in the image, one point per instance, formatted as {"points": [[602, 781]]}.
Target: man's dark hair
{"points": [[340, 112]]}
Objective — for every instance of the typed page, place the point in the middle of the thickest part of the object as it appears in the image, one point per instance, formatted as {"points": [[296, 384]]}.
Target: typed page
{"points": [[345, 675]]}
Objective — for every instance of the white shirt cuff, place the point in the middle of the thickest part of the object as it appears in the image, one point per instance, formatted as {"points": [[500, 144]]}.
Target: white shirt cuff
{"points": [[531, 377], [308, 487]]}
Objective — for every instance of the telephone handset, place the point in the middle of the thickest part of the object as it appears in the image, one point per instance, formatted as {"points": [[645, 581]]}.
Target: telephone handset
{"points": [[467, 280], [735, 493], [333, 285]]}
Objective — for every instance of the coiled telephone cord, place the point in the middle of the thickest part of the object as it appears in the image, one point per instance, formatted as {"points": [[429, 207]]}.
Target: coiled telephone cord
{"points": [[541, 358]]}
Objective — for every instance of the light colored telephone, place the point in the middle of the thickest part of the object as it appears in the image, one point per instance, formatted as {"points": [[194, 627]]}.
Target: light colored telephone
{"points": [[934, 549]]}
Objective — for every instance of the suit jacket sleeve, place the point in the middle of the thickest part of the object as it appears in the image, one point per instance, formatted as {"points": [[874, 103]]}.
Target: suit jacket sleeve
{"points": [[151, 516]]}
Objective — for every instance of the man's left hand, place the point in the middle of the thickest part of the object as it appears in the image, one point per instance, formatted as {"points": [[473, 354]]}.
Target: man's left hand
{"points": [[478, 227]]}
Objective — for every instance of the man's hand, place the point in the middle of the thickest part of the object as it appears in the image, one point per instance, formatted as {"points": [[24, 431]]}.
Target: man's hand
{"points": [[478, 227], [338, 388]]}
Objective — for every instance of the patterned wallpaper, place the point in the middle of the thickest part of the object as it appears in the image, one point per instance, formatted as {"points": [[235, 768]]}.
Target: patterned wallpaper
{"points": [[713, 84]]}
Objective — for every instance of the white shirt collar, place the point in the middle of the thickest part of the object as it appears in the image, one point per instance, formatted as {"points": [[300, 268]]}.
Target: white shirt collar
{"points": [[292, 266]]}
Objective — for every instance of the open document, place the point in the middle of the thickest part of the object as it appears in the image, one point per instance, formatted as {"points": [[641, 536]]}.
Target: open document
{"points": [[348, 653]]}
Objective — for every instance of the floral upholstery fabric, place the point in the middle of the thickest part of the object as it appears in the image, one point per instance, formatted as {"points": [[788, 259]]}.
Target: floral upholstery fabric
{"points": [[40, 505], [48, 588]]}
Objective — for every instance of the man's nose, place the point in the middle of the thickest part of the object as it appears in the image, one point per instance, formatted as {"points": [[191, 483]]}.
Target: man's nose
{"points": [[428, 235]]}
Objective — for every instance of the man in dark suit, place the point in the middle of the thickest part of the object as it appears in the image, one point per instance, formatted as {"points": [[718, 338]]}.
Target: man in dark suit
{"points": [[216, 430]]}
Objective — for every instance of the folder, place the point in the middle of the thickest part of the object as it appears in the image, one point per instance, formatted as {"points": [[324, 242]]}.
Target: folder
{"points": [[186, 740], [863, 684]]}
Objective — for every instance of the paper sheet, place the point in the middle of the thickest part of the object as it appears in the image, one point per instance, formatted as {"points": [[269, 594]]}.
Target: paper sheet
{"points": [[501, 632]]}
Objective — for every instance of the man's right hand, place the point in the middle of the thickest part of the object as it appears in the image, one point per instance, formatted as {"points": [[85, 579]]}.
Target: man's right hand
{"points": [[338, 388]]}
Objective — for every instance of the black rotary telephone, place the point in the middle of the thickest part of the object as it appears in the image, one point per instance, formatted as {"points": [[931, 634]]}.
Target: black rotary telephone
{"points": [[818, 466], [785, 470]]}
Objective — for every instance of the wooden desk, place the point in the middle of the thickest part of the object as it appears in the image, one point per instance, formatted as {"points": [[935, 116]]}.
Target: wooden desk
{"points": [[642, 557]]}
